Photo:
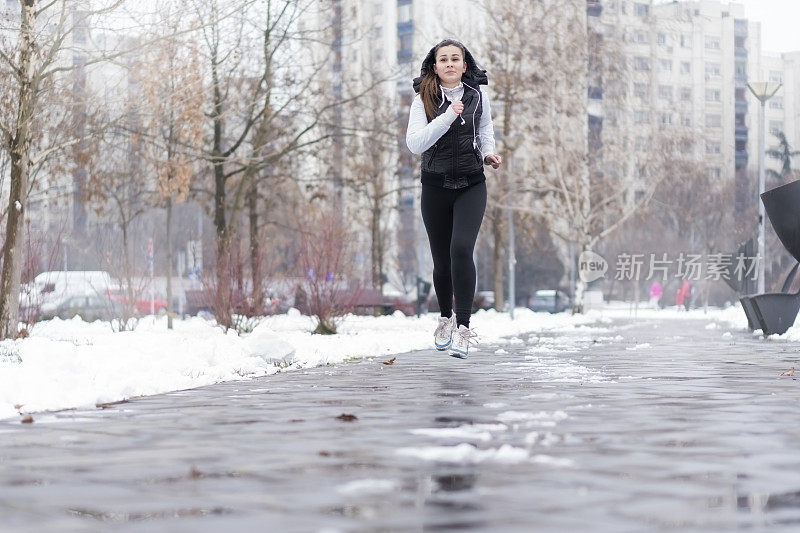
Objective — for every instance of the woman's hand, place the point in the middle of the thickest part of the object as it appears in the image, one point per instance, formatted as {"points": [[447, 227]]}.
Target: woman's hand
{"points": [[493, 159], [458, 106]]}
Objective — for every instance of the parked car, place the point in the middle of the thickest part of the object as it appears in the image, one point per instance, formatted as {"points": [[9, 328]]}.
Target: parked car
{"points": [[41, 296], [141, 306], [89, 307], [550, 300], [483, 300]]}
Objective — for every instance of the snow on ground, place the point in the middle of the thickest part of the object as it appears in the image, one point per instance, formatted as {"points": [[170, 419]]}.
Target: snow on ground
{"points": [[70, 363]]}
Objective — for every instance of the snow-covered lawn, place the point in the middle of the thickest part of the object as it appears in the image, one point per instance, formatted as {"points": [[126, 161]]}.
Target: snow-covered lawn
{"points": [[65, 364]]}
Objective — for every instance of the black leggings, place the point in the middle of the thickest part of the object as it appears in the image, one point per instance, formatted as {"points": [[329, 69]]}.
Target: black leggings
{"points": [[452, 219]]}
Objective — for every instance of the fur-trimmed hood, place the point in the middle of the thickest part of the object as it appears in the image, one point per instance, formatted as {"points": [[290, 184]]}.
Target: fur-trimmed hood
{"points": [[474, 76]]}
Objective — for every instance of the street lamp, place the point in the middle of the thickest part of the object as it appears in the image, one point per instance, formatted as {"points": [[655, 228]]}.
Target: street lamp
{"points": [[763, 90]]}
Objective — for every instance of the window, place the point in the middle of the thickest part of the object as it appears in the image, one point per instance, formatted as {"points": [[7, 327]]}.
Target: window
{"points": [[79, 34], [776, 76], [686, 41], [686, 67], [665, 92], [641, 10], [713, 95], [686, 120], [640, 116], [666, 65], [714, 173], [713, 121], [666, 118], [641, 90], [377, 32], [775, 126], [641, 63], [686, 94], [712, 43], [686, 147], [640, 37], [642, 144], [662, 39], [712, 70], [377, 9], [776, 102], [713, 147], [406, 42], [404, 13]]}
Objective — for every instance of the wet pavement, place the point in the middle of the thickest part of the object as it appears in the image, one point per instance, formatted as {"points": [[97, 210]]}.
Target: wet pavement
{"points": [[636, 427]]}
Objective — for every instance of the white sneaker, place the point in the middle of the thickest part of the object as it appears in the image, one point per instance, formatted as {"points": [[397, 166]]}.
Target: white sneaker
{"points": [[462, 339], [443, 336]]}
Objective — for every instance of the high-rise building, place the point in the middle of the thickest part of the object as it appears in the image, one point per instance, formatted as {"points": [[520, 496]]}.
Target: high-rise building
{"points": [[689, 66]]}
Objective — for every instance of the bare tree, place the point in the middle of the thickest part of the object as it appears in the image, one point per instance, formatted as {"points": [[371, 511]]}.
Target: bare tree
{"points": [[544, 60], [371, 175], [35, 59], [262, 107], [171, 120]]}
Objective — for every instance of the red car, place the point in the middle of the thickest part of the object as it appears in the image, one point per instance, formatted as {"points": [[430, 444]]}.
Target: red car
{"points": [[141, 306]]}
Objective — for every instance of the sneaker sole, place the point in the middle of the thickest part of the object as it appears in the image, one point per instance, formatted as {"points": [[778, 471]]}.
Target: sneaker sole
{"points": [[458, 355]]}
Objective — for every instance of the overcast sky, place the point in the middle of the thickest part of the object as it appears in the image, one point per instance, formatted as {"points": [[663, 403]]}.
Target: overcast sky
{"points": [[780, 23]]}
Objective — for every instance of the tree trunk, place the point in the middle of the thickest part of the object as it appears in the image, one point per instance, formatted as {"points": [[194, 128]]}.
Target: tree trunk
{"points": [[20, 174], [580, 286], [169, 262], [222, 298], [12, 253], [497, 258], [130, 297], [255, 248], [577, 300], [376, 250]]}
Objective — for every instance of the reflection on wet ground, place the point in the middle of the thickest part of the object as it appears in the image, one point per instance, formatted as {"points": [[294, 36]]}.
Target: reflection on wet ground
{"points": [[668, 426]]}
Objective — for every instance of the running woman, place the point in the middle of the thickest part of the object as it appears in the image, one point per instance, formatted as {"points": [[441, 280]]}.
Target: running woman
{"points": [[450, 124]]}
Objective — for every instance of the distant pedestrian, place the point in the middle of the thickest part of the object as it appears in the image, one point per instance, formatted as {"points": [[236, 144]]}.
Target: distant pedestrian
{"points": [[450, 124], [656, 292], [687, 293]]}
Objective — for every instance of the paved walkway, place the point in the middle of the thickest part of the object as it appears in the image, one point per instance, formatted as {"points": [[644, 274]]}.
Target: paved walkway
{"points": [[669, 426]]}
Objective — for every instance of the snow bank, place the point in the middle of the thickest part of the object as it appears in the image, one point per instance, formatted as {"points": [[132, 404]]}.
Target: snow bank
{"points": [[69, 363]]}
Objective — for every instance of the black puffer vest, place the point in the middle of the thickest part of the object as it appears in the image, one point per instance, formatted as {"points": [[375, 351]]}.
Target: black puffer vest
{"points": [[454, 161]]}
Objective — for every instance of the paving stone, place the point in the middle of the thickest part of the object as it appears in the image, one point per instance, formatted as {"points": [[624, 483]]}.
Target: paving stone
{"points": [[671, 426]]}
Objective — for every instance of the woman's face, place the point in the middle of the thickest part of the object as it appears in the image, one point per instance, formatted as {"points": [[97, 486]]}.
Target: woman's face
{"points": [[449, 65]]}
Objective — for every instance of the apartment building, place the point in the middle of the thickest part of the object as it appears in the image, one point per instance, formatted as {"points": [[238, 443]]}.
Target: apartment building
{"points": [[690, 63]]}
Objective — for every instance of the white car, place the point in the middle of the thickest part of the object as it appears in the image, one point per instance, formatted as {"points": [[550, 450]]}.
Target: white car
{"points": [[49, 289]]}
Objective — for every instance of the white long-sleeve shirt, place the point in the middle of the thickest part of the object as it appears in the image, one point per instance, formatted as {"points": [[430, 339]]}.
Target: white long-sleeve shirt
{"points": [[422, 134]]}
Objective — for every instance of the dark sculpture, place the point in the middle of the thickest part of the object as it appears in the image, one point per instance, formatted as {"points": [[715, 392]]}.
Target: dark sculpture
{"points": [[774, 313]]}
